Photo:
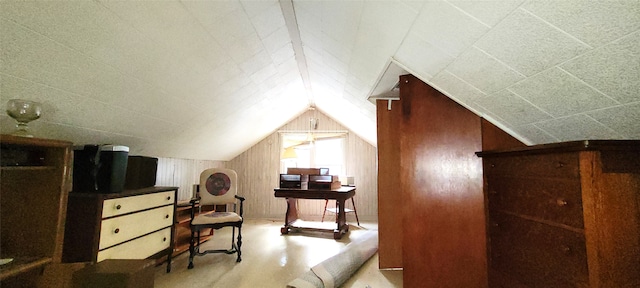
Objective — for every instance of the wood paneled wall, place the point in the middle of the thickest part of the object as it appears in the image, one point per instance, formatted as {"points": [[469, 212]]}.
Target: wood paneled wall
{"points": [[444, 235], [426, 146], [183, 173], [494, 138], [389, 212], [259, 171]]}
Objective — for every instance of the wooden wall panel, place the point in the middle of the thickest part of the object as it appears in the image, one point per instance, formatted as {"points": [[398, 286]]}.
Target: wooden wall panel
{"points": [[389, 212], [183, 173], [259, 172], [259, 168], [444, 235], [494, 138]]}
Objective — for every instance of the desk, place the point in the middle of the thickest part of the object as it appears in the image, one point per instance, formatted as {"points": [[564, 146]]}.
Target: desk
{"points": [[292, 220]]}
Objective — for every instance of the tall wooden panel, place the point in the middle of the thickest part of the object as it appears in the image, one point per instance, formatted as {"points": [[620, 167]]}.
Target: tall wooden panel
{"points": [[494, 138], [389, 193], [444, 236]]}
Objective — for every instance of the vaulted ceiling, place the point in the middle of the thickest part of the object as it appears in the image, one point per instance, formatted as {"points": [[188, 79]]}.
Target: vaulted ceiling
{"points": [[208, 79]]}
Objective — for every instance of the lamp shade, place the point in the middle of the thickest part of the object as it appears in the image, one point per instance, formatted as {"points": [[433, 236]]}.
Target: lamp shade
{"points": [[289, 153]]}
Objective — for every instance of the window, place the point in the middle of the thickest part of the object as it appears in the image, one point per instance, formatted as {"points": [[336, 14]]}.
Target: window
{"points": [[324, 150]]}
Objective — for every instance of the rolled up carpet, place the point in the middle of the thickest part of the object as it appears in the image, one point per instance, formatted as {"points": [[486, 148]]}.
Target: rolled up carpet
{"points": [[336, 270]]}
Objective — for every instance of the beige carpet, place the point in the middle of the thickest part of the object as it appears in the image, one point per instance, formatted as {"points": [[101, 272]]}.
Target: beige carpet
{"points": [[272, 260]]}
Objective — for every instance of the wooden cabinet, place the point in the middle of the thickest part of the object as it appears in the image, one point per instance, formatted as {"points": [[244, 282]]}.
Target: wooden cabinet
{"points": [[133, 224], [564, 215], [34, 184]]}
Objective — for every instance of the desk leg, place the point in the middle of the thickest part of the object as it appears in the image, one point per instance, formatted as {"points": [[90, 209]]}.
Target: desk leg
{"points": [[341, 221], [291, 216]]}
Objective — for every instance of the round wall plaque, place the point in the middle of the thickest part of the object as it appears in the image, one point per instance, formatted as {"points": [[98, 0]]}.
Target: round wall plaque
{"points": [[218, 184]]}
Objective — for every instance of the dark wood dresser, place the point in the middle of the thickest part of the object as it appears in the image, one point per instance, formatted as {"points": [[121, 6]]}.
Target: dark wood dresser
{"points": [[132, 224], [564, 215]]}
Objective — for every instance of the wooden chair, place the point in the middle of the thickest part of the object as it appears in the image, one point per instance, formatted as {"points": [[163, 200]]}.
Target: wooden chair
{"points": [[217, 187], [335, 209]]}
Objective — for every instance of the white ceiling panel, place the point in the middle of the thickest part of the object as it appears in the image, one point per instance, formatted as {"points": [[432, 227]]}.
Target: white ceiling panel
{"points": [[512, 108], [593, 22], [529, 45], [613, 69], [560, 94], [483, 71], [448, 28], [489, 12], [624, 120], [427, 59], [462, 91], [577, 127], [208, 79]]}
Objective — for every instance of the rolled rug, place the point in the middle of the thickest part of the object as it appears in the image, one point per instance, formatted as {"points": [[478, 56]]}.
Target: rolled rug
{"points": [[336, 270]]}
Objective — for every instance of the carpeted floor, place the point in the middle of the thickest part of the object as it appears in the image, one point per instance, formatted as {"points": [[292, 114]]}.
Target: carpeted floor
{"points": [[272, 260]]}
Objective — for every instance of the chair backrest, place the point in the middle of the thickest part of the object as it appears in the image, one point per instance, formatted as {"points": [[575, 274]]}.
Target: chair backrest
{"points": [[218, 186]]}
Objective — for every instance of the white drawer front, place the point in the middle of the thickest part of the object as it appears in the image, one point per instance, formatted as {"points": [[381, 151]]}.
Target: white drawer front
{"points": [[119, 206], [120, 229], [140, 248]]}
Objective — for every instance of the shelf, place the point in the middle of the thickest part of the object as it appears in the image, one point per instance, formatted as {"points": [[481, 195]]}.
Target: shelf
{"points": [[22, 264], [36, 177], [185, 220], [27, 168]]}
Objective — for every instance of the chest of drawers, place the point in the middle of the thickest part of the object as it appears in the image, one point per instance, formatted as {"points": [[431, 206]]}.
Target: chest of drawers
{"points": [[564, 215], [134, 224]]}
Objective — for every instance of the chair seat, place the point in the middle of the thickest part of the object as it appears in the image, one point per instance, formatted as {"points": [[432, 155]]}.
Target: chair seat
{"points": [[216, 217]]}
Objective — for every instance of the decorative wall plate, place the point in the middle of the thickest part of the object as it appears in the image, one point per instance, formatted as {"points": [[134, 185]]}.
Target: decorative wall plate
{"points": [[218, 184]]}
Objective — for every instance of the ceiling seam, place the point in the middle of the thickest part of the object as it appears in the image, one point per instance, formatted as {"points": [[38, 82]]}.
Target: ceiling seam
{"points": [[291, 22], [556, 28]]}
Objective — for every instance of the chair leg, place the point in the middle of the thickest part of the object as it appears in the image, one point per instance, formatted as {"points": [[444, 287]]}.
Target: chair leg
{"points": [[233, 236], [325, 209], [239, 244], [355, 211], [191, 250]]}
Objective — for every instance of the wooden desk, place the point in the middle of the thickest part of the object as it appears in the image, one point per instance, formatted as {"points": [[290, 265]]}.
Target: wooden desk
{"points": [[292, 220]]}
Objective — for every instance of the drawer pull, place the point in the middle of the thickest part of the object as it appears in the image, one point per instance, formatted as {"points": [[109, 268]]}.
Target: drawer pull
{"points": [[118, 207], [168, 197], [493, 192], [116, 231], [166, 216], [561, 202], [164, 239], [559, 164], [566, 249]]}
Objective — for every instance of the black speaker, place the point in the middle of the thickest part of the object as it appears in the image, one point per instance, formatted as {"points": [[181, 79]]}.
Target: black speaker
{"points": [[141, 172], [99, 168]]}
